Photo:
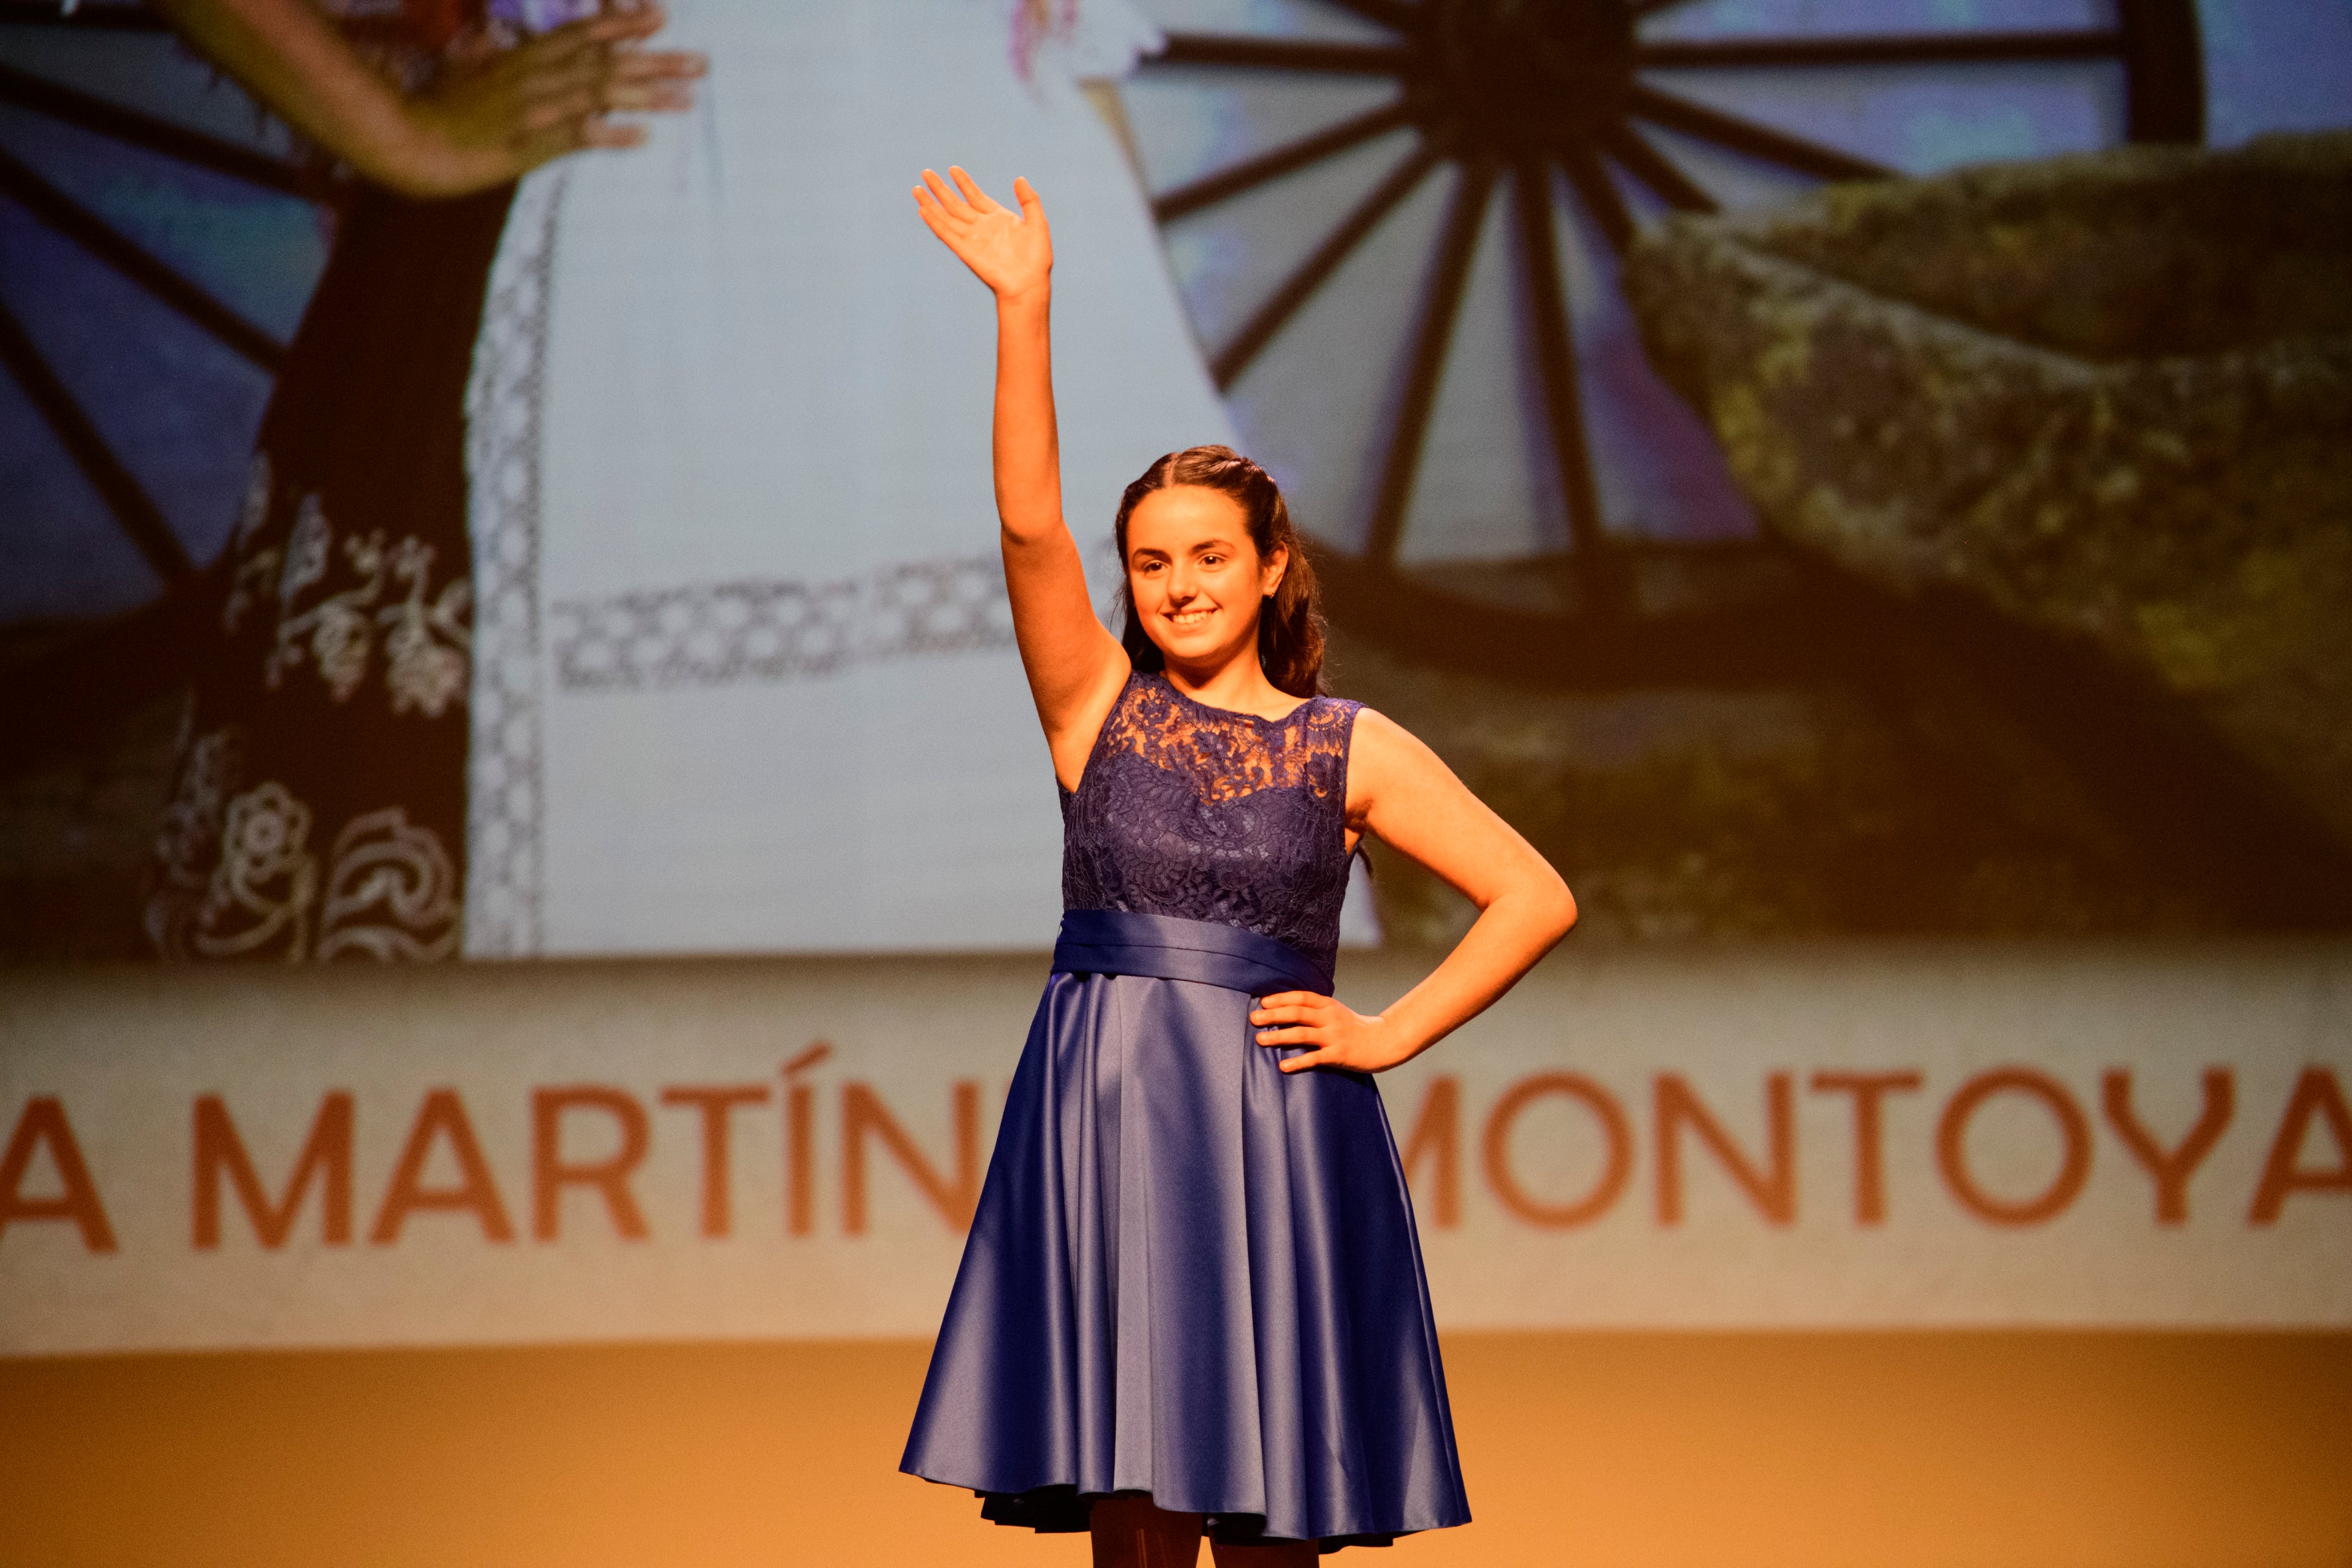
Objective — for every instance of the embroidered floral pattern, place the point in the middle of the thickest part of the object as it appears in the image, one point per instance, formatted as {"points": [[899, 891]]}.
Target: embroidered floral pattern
{"points": [[426, 647], [187, 841], [237, 878], [391, 894], [424, 634], [318, 798], [263, 884]]}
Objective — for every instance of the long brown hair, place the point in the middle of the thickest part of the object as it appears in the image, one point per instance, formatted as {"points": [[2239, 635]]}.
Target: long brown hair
{"points": [[1290, 620]]}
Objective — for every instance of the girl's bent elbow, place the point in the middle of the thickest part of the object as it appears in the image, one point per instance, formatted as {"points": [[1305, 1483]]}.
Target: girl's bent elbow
{"points": [[1560, 908]]}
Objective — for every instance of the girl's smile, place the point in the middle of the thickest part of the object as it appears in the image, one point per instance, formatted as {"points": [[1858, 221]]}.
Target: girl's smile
{"points": [[1189, 561]]}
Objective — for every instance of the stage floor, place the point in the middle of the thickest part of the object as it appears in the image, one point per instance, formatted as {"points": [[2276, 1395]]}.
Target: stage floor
{"points": [[1628, 1451]]}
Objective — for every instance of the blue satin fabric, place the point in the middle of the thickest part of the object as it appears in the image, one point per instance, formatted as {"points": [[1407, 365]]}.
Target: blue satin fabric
{"points": [[1190, 1274], [1112, 941]]}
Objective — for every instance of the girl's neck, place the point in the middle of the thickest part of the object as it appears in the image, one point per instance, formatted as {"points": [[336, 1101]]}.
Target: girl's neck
{"points": [[1238, 685]]}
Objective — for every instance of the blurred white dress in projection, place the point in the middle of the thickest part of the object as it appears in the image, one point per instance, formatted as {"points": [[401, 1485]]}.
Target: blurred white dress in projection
{"points": [[745, 675]]}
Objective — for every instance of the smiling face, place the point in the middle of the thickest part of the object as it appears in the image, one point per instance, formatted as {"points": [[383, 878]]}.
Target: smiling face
{"points": [[1195, 577]]}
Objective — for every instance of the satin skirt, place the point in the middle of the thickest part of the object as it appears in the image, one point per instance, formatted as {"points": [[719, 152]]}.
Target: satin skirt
{"points": [[1189, 1273]]}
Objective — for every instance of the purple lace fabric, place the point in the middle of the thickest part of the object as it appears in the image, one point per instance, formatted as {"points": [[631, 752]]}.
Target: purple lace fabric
{"points": [[1207, 814]]}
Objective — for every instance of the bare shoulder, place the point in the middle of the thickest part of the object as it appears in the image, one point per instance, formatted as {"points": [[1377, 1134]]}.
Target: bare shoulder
{"points": [[1383, 756]]}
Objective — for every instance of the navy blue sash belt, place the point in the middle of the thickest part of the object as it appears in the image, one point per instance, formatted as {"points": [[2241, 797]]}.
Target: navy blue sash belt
{"points": [[1113, 941]]}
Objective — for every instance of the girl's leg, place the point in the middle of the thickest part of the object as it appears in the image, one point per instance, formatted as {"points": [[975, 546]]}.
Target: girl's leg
{"points": [[1288, 1554], [1129, 1532]]}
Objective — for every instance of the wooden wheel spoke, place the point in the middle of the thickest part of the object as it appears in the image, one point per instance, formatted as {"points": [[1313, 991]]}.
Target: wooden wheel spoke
{"points": [[1555, 342], [1650, 166], [1441, 303], [2165, 65], [86, 112], [1919, 49], [1283, 53], [1397, 15], [102, 240], [1226, 184], [1599, 197], [133, 509], [1321, 263], [1675, 113]]}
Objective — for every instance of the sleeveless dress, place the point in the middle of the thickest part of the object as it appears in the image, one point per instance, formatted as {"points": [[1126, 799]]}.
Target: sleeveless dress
{"points": [[1190, 1274]]}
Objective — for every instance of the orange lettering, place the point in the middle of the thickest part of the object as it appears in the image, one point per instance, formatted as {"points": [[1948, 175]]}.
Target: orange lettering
{"points": [[1437, 1133], [1952, 1147], [1869, 1090], [714, 1102], [1495, 1149], [441, 1115], [862, 1111], [800, 1142], [44, 1122], [326, 1158], [610, 1177], [1773, 1191], [2315, 1094], [2173, 1167]]}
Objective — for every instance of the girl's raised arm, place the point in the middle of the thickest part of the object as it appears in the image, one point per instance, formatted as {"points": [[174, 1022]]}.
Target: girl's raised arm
{"points": [[1076, 667]]}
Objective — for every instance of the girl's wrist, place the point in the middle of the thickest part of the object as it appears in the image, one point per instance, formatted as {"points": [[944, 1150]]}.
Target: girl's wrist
{"points": [[1404, 1033]]}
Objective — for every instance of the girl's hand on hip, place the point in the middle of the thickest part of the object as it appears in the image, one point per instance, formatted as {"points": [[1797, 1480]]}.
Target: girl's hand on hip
{"points": [[511, 111], [1336, 1033], [1011, 252]]}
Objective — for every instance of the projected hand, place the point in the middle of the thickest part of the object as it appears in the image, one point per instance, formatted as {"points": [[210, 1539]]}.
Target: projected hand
{"points": [[1339, 1034], [1011, 252], [511, 111]]}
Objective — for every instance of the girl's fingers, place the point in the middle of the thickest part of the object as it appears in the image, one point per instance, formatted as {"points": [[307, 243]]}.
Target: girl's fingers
{"points": [[556, 78], [613, 26], [944, 193], [604, 133], [1026, 194], [934, 216], [971, 192], [1267, 1004], [668, 65], [610, 83], [557, 44], [571, 109], [633, 96], [1311, 1059]]}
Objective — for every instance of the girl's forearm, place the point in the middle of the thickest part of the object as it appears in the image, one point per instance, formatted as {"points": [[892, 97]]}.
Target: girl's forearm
{"points": [[1027, 445], [291, 58], [1509, 935]]}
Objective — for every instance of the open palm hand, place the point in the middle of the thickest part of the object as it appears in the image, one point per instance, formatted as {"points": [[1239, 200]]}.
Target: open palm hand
{"points": [[1011, 252]]}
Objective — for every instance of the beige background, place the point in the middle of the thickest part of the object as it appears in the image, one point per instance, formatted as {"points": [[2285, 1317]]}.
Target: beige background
{"points": [[128, 1050]]}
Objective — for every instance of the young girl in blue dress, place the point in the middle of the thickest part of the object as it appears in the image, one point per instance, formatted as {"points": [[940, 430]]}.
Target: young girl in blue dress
{"points": [[1192, 1300]]}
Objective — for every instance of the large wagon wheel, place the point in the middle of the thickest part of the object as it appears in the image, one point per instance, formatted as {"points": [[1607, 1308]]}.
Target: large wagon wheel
{"points": [[1553, 104]]}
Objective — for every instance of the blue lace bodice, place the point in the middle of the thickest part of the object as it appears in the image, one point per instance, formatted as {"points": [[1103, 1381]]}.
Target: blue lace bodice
{"points": [[1207, 814]]}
